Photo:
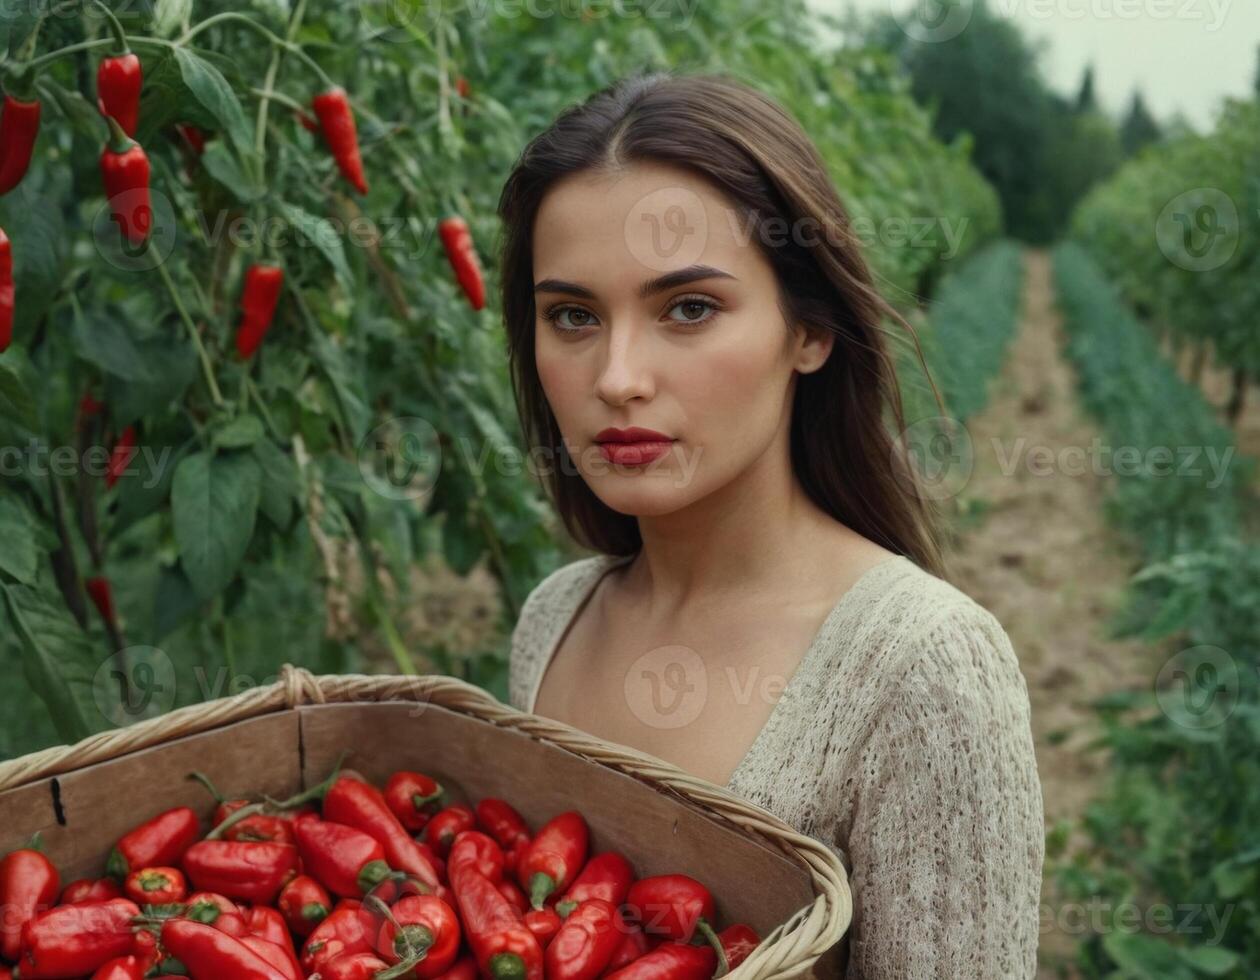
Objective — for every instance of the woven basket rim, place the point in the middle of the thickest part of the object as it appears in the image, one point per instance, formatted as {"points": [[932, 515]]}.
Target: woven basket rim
{"points": [[788, 951]]}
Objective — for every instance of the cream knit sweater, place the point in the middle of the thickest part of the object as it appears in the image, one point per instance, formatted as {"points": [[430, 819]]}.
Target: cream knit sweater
{"points": [[903, 741]]}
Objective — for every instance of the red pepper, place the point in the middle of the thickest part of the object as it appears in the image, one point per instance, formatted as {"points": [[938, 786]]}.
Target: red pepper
{"points": [[336, 122], [118, 84], [441, 830], [414, 798], [213, 909], [465, 968], [305, 903], [251, 871], [346, 930], [122, 968], [76, 940], [457, 240], [258, 306], [554, 857], [586, 941], [502, 943], [607, 875], [512, 892], [309, 122], [156, 886], [121, 456], [102, 597], [28, 885], [194, 137], [125, 174], [634, 943], [8, 292], [675, 906], [474, 849], [502, 822], [738, 941], [544, 923], [262, 826], [209, 954], [160, 841], [88, 890], [353, 966], [462, 87], [19, 125], [144, 947], [362, 805], [423, 928], [343, 859], [267, 926], [670, 961], [226, 808]]}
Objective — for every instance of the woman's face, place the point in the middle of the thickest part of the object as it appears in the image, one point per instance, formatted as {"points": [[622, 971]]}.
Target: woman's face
{"points": [[703, 357]]}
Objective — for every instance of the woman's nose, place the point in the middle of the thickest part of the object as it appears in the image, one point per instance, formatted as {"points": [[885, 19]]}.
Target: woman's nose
{"points": [[626, 365]]}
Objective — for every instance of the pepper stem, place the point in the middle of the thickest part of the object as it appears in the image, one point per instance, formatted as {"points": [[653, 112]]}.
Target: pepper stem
{"points": [[507, 966], [541, 885], [115, 27], [202, 778], [119, 141], [706, 930]]}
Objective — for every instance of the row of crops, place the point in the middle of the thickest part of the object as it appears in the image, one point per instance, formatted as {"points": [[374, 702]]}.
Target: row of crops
{"points": [[1172, 864], [278, 509]]}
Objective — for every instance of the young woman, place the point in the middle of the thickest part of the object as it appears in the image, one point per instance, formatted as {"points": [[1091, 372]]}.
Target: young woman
{"points": [[697, 355]]}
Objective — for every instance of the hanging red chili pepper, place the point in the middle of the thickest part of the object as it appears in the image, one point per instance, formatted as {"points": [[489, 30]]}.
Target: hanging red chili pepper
{"points": [[414, 798], [462, 87], [607, 875], [304, 903], [159, 841], [121, 456], [208, 953], [458, 242], [251, 871], [125, 173], [98, 589], [19, 125], [28, 885], [76, 940], [336, 122], [504, 946], [677, 961], [156, 886], [554, 857], [258, 306], [193, 136], [343, 859], [118, 83], [586, 942], [7, 292]]}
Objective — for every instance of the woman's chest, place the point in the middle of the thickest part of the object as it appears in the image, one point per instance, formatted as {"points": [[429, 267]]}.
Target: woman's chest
{"points": [[697, 695]]}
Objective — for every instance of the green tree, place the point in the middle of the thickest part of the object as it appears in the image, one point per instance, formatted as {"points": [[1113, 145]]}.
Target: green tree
{"points": [[1086, 101], [1139, 127]]}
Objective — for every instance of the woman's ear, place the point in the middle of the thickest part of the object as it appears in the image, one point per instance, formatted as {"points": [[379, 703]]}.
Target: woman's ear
{"points": [[814, 347]]}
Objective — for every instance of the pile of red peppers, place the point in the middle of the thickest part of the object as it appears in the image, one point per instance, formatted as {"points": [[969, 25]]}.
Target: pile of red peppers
{"points": [[348, 881]]}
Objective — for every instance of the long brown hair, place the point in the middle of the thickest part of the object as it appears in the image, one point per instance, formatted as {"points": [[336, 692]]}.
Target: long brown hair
{"points": [[747, 146]]}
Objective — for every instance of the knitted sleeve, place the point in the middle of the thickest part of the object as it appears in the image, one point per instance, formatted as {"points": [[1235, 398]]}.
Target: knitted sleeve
{"points": [[948, 833]]}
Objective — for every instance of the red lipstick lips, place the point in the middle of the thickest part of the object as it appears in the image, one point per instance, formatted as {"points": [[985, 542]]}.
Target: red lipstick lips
{"points": [[633, 446]]}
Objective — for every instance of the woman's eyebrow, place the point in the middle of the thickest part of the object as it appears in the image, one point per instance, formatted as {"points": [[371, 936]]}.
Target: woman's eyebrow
{"points": [[670, 280]]}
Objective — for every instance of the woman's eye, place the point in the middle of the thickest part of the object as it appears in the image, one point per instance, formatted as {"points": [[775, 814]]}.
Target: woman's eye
{"points": [[555, 314], [689, 306]]}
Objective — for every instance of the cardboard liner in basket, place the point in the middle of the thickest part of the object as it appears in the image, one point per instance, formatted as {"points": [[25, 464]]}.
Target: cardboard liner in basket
{"points": [[280, 739]]}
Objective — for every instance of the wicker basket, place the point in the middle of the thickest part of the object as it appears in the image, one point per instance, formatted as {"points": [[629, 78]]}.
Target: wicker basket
{"points": [[280, 738]]}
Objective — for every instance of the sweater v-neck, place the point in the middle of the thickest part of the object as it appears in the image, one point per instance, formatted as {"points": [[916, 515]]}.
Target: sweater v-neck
{"points": [[606, 563]]}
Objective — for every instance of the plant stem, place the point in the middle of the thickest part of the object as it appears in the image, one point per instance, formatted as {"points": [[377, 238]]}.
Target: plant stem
{"points": [[253, 25], [215, 395]]}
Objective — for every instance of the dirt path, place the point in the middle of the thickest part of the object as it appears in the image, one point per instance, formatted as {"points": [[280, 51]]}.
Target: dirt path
{"points": [[1042, 560]]}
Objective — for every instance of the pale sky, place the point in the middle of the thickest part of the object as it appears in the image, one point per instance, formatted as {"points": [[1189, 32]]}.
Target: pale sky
{"points": [[1185, 55]]}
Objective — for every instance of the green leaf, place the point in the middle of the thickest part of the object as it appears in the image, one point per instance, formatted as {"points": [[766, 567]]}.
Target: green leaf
{"points": [[1144, 956], [1215, 961], [223, 167], [16, 402], [323, 236], [241, 433], [214, 504], [82, 115], [103, 340], [57, 660], [21, 551], [170, 15], [212, 90], [462, 542], [332, 360], [280, 482]]}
